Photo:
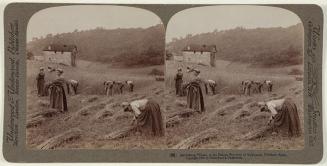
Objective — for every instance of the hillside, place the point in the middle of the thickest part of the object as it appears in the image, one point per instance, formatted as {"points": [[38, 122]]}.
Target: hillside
{"points": [[130, 47], [261, 46]]}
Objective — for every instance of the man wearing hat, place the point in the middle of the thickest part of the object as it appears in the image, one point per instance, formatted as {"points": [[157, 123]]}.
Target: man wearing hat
{"points": [[147, 115], [284, 115], [40, 82], [178, 82]]}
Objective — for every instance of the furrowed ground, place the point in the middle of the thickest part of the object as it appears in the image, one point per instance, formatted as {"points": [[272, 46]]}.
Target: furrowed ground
{"points": [[231, 117]]}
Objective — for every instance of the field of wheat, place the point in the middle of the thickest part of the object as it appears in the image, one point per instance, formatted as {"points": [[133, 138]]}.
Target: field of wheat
{"points": [[231, 115], [91, 116]]}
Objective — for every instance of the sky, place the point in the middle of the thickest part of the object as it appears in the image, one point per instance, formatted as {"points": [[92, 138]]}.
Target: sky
{"points": [[82, 17], [207, 19]]}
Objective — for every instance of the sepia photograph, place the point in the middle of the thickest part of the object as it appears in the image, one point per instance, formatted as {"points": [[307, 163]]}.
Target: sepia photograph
{"points": [[95, 78], [234, 78]]}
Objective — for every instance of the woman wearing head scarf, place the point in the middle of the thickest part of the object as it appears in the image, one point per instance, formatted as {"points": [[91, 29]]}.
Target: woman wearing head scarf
{"points": [[58, 98], [147, 115], [195, 98], [284, 116], [40, 82]]}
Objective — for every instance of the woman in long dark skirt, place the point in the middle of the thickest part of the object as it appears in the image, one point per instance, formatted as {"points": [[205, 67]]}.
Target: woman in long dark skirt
{"points": [[195, 98], [178, 82], [58, 98], [284, 116], [147, 115], [40, 82]]}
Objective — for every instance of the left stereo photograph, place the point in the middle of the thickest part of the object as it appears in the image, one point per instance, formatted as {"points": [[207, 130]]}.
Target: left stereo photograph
{"points": [[95, 78]]}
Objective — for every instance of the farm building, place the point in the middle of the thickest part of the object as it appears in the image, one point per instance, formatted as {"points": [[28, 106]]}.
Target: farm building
{"points": [[200, 54], [59, 53]]}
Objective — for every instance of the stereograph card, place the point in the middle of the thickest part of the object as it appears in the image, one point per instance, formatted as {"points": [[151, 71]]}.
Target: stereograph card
{"points": [[169, 83]]}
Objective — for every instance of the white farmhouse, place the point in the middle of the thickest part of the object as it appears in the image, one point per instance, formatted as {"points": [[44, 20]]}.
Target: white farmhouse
{"points": [[200, 54], [59, 53]]}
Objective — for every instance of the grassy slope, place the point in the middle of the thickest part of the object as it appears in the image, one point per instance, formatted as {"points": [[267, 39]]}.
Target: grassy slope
{"points": [[232, 124]]}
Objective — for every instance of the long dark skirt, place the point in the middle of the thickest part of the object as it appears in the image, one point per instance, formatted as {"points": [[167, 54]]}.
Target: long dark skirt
{"points": [[40, 87], [46, 89], [287, 119], [151, 119], [58, 98], [195, 97], [178, 87]]}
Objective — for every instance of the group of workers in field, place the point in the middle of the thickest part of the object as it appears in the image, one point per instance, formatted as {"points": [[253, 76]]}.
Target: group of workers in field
{"points": [[147, 113], [284, 112]]}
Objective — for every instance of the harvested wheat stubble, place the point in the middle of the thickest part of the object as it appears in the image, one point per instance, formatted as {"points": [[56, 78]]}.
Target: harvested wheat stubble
{"points": [[184, 113], [229, 99], [173, 121], [89, 99], [226, 109], [240, 114], [259, 133], [102, 114], [39, 117], [120, 133], [197, 139], [35, 122], [180, 103], [65, 137], [43, 103]]}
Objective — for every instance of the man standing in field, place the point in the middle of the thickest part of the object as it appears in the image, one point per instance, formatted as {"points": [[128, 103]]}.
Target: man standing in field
{"points": [[178, 82], [195, 98], [284, 115], [147, 115], [40, 82], [73, 57]]}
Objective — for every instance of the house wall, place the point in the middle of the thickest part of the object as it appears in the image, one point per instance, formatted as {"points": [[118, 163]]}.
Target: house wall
{"points": [[38, 58], [178, 58], [58, 57], [197, 57]]}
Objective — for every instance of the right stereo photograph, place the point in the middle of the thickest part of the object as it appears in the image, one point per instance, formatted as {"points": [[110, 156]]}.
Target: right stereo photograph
{"points": [[234, 78]]}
